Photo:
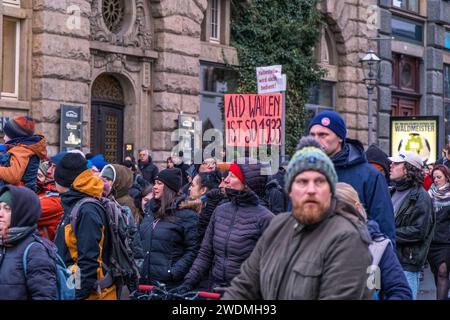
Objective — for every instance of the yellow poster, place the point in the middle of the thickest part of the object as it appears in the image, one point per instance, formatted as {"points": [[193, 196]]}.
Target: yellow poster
{"points": [[417, 134]]}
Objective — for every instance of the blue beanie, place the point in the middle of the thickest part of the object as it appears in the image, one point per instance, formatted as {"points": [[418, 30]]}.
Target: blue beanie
{"points": [[58, 157], [98, 161], [331, 120]]}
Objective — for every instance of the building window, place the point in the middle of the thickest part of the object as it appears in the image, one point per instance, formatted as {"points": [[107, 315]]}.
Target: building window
{"points": [[10, 57], [321, 98], [215, 20], [12, 2], [409, 5], [447, 102], [113, 14], [215, 82], [407, 30], [447, 39]]}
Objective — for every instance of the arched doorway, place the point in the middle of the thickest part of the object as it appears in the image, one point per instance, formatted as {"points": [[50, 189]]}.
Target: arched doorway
{"points": [[107, 109]]}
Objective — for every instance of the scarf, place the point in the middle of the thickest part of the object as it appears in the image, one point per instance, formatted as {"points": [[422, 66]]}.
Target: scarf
{"points": [[402, 184], [15, 235], [440, 196]]}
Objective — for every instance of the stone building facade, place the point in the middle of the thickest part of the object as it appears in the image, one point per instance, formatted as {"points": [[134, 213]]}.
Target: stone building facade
{"points": [[132, 66]]}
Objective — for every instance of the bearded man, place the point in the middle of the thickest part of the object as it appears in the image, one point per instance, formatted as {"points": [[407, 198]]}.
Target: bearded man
{"points": [[317, 251]]}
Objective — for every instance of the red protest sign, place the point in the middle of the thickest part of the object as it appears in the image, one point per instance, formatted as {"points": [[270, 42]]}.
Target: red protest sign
{"points": [[253, 119]]}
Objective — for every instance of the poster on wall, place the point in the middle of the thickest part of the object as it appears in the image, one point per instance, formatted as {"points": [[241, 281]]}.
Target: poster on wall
{"points": [[253, 119], [71, 122], [417, 134]]}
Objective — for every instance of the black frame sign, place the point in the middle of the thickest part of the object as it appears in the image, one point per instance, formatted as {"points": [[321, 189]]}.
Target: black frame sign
{"points": [[416, 133], [71, 127]]}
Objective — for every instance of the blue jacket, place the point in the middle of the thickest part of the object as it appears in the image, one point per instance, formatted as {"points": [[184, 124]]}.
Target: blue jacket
{"points": [[352, 167], [40, 281], [394, 285]]}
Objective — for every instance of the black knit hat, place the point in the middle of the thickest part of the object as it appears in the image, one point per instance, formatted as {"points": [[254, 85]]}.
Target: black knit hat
{"points": [[171, 178], [375, 155], [69, 168]]}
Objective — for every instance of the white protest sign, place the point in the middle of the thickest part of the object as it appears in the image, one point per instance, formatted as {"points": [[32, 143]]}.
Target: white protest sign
{"points": [[269, 79]]}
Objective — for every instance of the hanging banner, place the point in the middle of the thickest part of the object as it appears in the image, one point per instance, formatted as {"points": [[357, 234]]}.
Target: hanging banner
{"points": [[417, 134], [253, 119]]}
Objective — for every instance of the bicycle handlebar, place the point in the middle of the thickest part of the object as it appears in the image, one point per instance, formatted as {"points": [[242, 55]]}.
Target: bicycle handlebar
{"points": [[202, 294]]}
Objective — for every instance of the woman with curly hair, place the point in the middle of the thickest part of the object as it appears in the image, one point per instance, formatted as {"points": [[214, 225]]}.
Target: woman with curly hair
{"points": [[414, 217]]}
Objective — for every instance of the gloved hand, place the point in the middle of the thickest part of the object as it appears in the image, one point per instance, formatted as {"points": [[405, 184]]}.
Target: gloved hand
{"points": [[183, 289]]}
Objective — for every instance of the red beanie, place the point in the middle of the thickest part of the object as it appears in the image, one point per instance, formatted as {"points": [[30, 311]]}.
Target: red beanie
{"points": [[19, 126], [236, 170]]}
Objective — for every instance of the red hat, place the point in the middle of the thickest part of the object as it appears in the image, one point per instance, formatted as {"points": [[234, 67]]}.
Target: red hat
{"points": [[236, 170]]}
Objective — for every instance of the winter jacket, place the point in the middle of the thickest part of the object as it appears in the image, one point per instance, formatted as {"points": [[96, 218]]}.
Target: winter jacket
{"points": [[24, 162], [327, 260], [394, 285], [148, 170], [40, 281], [232, 233], [86, 245], [170, 244], [442, 229], [276, 198], [352, 168], [414, 221], [52, 210], [213, 199]]}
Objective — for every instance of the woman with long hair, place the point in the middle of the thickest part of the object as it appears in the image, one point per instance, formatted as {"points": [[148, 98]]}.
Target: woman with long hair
{"points": [[169, 233], [439, 253]]}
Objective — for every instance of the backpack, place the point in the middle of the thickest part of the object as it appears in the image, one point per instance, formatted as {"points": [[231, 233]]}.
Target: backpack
{"points": [[376, 248], [123, 269], [64, 279]]}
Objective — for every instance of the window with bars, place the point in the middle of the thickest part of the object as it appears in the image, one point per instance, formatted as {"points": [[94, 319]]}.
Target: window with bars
{"points": [[215, 20], [10, 57]]}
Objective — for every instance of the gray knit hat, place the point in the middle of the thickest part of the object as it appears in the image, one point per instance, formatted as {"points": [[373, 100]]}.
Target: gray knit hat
{"points": [[310, 157]]}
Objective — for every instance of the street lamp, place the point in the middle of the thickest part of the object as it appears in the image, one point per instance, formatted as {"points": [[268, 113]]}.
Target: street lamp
{"points": [[370, 64]]}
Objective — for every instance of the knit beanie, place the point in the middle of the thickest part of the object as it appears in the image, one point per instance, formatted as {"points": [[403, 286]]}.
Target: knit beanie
{"points": [[57, 157], [171, 178], [19, 127], [375, 155], [310, 158], [6, 198], [69, 168], [331, 120]]}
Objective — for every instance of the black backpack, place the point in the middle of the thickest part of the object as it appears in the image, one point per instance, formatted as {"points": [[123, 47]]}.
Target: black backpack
{"points": [[123, 269]]}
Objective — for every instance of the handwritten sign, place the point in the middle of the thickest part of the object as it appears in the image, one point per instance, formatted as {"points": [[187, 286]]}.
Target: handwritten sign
{"points": [[270, 79], [253, 119]]}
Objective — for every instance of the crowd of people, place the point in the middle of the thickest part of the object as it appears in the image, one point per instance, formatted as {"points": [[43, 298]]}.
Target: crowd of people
{"points": [[312, 230]]}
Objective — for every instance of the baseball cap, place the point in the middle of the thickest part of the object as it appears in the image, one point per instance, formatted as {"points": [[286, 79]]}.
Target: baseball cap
{"points": [[408, 156]]}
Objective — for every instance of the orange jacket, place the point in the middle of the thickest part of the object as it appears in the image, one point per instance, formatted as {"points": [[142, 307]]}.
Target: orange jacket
{"points": [[20, 156]]}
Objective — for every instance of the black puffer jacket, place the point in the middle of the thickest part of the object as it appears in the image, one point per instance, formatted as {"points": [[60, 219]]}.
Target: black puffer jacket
{"points": [[275, 197], [232, 233], [213, 198], [414, 223], [170, 244], [149, 171], [253, 176]]}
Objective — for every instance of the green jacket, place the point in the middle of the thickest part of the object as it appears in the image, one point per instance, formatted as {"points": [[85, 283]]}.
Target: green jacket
{"points": [[327, 260]]}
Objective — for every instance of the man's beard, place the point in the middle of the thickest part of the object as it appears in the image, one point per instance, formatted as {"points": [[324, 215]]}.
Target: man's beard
{"points": [[308, 213]]}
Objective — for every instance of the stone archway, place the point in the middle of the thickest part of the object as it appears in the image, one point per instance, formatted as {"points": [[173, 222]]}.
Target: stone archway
{"points": [[107, 118]]}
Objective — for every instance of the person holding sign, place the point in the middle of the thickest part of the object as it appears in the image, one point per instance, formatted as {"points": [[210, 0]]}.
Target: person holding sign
{"points": [[351, 165]]}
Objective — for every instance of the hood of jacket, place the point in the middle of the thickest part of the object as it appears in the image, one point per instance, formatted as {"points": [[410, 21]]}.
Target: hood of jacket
{"points": [[36, 144], [374, 230], [244, 198], [123, 181], [89, 184], [350, 213], [351, 154], [26, 207]]}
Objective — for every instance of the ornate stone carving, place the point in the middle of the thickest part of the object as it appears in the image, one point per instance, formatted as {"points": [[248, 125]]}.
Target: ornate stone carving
{"points": [[107, 88], [107, 26], [115, 62]]}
